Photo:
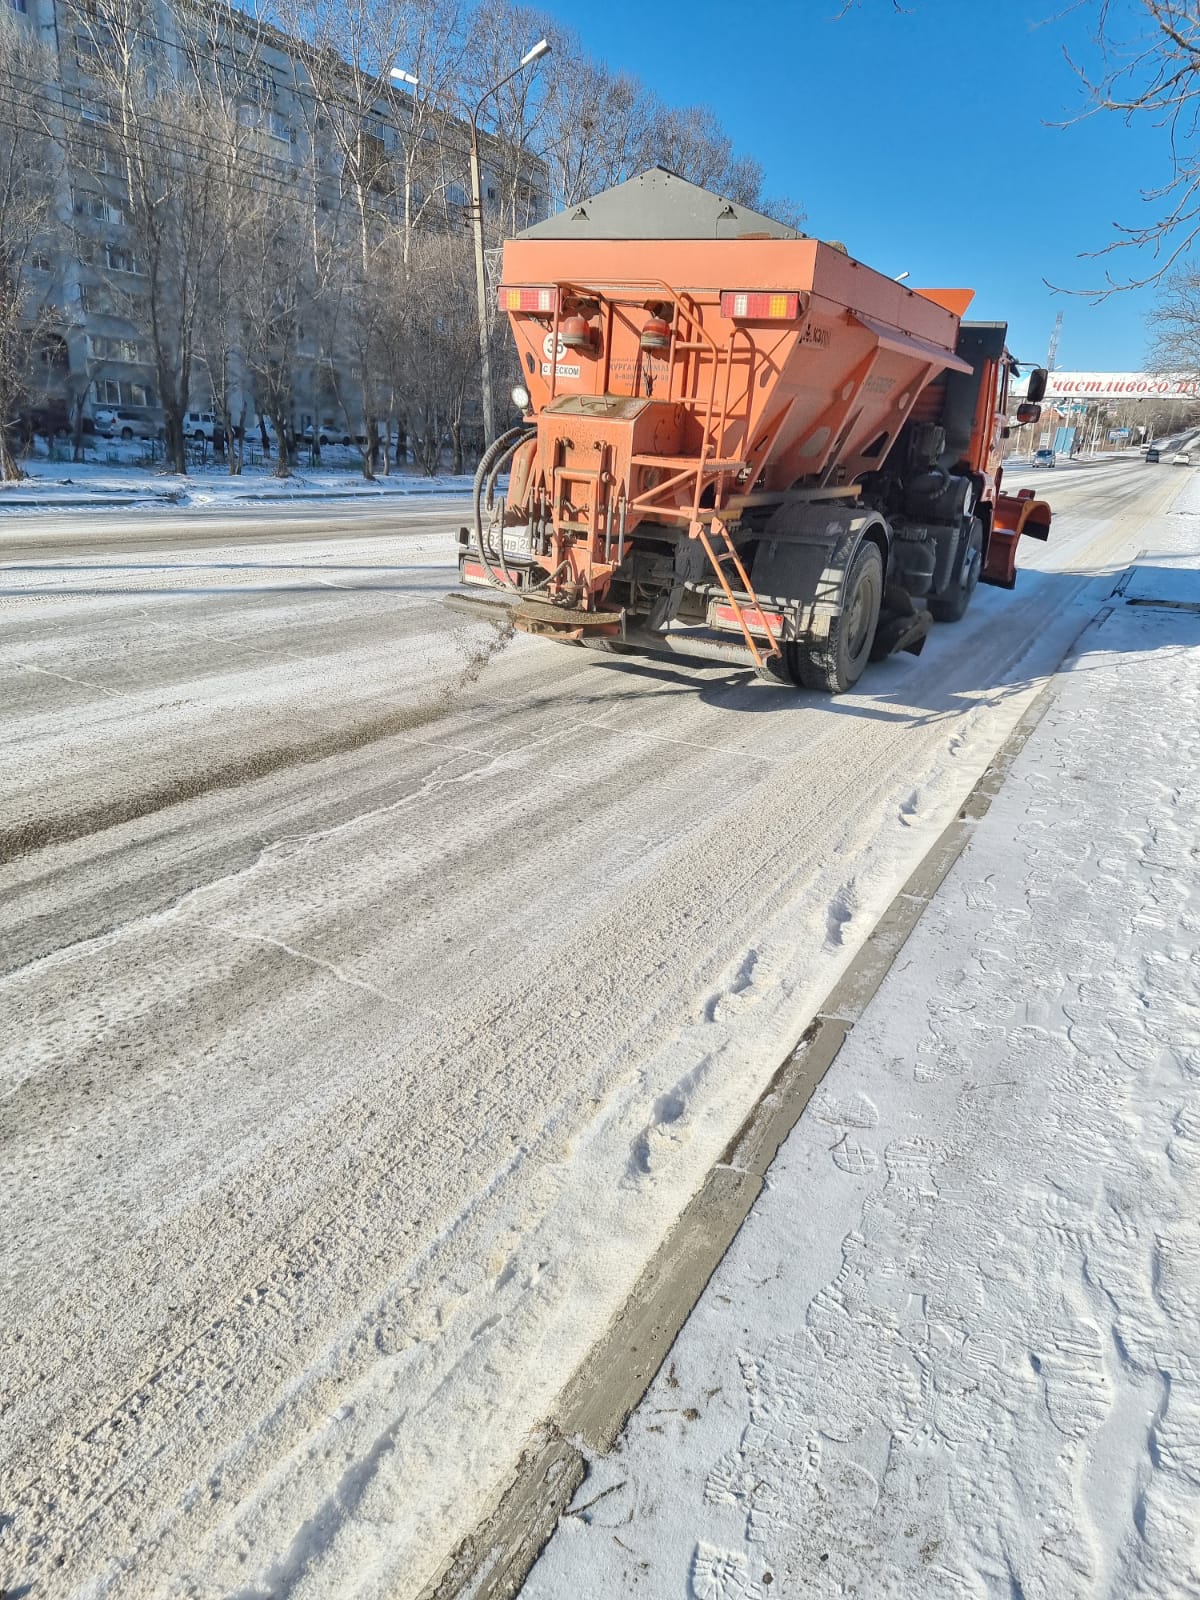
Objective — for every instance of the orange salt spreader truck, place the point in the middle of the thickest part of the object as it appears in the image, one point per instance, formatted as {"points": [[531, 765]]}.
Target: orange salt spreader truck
{"points": [[740, 443]]}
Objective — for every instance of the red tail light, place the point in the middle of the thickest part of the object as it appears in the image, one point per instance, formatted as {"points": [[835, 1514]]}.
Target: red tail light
{"points": [[543, 300], [760, 305]]}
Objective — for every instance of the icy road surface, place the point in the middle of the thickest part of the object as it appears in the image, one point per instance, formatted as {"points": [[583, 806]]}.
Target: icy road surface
{"points": [[377, 991]]}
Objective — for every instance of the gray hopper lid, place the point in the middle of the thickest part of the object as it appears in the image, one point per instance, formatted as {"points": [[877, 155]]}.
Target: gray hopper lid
{"points": [[658, 205]]}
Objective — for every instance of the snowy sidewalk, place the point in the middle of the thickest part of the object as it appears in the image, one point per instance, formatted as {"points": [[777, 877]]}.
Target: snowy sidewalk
{"points": [[92, 485], [955, 1349]]}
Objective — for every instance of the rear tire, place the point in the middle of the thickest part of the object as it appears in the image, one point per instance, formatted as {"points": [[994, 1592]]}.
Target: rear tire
{"points": [[951, 605], [838, 662]]}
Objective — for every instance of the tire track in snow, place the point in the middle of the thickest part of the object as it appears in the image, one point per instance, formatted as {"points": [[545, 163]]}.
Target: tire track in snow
{"points": [[48, 828]]}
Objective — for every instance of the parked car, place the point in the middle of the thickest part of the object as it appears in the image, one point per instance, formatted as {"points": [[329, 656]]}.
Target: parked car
{"points": [[126, 425], [1152, 453], [329, 432], [260, 431], [1181, 458], [202, 425], [1043, 458]]}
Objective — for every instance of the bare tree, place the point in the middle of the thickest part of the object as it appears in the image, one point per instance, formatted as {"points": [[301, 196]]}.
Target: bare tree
{"points": [[597, 127], [30, 164], [422, 109], [223, 48], [1148, 65], [1175, 325], [690, 141], [514, 122], [283, 266], [346, 87], [174, 141], [436, 346]]}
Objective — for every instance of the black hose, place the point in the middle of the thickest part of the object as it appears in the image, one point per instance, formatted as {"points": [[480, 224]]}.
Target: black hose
{"points": [[493, 456]]}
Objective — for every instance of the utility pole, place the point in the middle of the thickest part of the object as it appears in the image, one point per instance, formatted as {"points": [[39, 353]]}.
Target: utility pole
{"points": [[541, 48], [1052, 353]]}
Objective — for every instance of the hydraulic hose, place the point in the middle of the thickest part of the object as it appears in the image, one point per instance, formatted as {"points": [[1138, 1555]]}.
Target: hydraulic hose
{"points": [[490, 465]]}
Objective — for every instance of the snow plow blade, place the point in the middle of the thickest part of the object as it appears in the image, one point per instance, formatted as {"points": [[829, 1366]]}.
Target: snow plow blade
{"points": [[1014, 515]]}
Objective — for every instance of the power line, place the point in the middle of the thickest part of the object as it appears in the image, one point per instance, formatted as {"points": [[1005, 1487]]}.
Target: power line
{"points": [[255, 180], [57, 102], [185, 45], [287, 47]]}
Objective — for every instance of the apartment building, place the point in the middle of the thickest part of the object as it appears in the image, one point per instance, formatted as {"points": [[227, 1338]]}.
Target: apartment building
{"points": [[100, 354]]}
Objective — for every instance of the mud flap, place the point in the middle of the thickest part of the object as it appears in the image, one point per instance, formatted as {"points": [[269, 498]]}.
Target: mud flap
{"points": [[901, 632], [1012, 516]]}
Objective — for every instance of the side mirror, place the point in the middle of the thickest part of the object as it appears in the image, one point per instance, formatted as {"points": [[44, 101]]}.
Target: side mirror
{"points": [[1028, 413], [1036, 389]]}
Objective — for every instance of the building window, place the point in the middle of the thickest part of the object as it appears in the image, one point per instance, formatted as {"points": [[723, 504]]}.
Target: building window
{"points": [[99, 207], [101, 348], [39, 262], [456, 195], [119, 392], [259, 87], [94, 43], [373, 162], [94, 158], [18, 5], [121, 260]]}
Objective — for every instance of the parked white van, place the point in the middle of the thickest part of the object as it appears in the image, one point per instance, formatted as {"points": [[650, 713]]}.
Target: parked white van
{"points": [[201, 425]]}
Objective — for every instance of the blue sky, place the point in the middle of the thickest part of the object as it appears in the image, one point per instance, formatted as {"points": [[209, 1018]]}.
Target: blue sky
{"points": [[923, 139]]}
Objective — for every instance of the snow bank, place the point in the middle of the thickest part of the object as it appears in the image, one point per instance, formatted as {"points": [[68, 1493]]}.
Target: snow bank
{"points": [[120, 480]]}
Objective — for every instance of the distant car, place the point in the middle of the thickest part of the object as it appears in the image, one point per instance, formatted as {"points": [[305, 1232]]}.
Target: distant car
{"points": [[1152, 453], [202, 425], [126, 425], [1043, 458], [1181, 458], [328, 433]]}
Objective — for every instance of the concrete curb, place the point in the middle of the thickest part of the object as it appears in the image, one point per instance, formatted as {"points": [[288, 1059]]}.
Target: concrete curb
{"points": [[493, 1561]]}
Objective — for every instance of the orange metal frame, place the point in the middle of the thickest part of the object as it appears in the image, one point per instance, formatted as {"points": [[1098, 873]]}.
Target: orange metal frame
{"points": [[689, 338], [728, 408]]}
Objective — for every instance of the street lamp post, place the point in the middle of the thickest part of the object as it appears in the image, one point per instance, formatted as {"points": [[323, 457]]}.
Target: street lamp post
{"points": [[541, 48]]}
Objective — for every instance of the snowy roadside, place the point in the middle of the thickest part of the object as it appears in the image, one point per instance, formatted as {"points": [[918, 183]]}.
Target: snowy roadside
{"points": [[955, 1350], [120, 481], [59, 485]]}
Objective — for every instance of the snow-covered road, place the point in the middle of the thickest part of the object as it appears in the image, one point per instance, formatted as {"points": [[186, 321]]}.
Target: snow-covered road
{"points": [[378, 989], [954, 1353]]}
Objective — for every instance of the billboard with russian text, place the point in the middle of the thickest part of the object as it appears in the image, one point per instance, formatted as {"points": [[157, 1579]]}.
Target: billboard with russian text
{"points": [[1119, 386]]}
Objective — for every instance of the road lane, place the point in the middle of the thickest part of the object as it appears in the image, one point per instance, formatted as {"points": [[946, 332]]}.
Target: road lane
{"points": [[343, 1103]]}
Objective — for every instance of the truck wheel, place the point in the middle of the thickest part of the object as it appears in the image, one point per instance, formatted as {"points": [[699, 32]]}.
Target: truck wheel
{"points": [[838, 662], [951, 605]]}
